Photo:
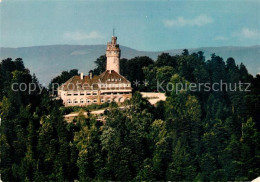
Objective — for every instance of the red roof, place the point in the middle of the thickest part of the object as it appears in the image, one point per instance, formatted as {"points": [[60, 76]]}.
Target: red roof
{"points": [[107, 77]]}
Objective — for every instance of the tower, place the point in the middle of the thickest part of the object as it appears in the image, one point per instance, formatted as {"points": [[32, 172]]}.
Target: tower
{"points": [[113, 55]]}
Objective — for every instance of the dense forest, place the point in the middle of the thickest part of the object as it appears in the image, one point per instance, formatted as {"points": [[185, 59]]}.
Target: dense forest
{"points": [[192, 136]]}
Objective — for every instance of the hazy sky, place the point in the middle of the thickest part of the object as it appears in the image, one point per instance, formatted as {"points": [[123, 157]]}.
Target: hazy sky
{"points": [[143, 25]]}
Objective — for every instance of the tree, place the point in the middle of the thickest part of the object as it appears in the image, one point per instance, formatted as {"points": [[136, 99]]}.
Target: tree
{"points": [[100, 65], [183, 112], [59, 80], [250, 150], [180, 168], [162, 148], [125, 139], [165, 59], [185, 52], [134, 69], [88, 144]]}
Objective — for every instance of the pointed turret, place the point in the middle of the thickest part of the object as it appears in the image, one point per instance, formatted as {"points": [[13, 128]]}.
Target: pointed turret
{"points": [[113, 55]]}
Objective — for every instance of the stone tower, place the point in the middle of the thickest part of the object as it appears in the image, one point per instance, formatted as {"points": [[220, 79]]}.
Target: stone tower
{"points": [[113, 55]]}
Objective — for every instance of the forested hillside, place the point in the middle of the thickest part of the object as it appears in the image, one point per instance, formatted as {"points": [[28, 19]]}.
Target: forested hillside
{"points": [[192, 136]]}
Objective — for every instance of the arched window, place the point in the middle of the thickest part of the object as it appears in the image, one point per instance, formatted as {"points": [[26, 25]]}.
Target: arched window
{"points": [[121, 99], [68, 101], [81, 101]]}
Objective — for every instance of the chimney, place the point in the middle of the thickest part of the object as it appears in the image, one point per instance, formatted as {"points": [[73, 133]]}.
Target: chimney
{"points": [[81, 76], [90, 75]]}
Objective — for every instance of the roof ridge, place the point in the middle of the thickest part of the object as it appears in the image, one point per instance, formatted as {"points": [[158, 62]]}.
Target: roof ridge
{"points": [[69, 80], [72, 78], [102, 75]]}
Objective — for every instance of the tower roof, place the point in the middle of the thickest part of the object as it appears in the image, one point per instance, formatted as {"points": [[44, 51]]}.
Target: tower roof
{"points": [[112, 46]]}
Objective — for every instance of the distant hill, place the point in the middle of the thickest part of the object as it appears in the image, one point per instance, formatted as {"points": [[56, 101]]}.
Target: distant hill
{"points": [[49, 61]]}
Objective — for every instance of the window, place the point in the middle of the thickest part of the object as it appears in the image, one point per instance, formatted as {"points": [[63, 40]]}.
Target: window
{"points": [[88, 93], [69, 94], [95, 101], [102, 100], [108, 100], [88, 101], [68, 101], [94, 93], [76, 93], [75, 101], [81, 93], [81, 101]]}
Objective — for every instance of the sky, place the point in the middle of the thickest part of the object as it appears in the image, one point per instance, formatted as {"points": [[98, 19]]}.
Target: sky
{"points": [[149, 25]]}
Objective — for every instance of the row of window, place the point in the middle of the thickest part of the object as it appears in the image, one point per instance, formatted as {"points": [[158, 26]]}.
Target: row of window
{"points": [[114, 93], [115, 85], [82, 101], [95, 93], [81, 93], [89, 101]]}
